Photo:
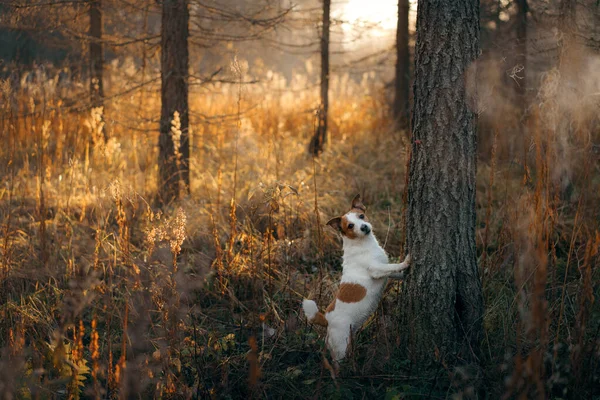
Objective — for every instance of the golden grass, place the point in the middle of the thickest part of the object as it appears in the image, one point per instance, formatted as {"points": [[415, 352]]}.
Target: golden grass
{"points": [[103, 295]]}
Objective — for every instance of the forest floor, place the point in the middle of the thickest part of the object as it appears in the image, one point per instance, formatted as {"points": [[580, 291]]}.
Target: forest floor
{"points": [[103, 295]]}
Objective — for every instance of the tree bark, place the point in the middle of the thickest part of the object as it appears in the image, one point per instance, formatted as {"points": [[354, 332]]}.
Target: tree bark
{"points": [[567, 17], [401, 98], [442, 302], [521, 87], [570, 64], [174, 170], [568, 46], [96, 54], [318, 141]]}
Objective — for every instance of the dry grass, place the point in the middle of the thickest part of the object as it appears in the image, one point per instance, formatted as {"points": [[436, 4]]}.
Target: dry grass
{"points": [[105, 296]]}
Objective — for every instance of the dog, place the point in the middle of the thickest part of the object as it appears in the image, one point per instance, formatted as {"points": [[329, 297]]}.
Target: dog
{"points": [[364, 277]]}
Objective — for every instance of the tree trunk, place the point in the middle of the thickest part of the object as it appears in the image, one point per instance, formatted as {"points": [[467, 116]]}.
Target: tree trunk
{"points": [[570, 64], [401, 98], [521, 87], [318, 141], [96, 56], [174, 165], [567, 18], [442, 304], [568, 46]]}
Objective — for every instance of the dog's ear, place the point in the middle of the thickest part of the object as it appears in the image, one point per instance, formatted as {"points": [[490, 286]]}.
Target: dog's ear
{"points": [[356, 203], [335, 223]]}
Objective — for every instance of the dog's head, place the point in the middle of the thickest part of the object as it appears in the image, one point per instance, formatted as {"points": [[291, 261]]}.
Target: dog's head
{"points": [[354, 224]]}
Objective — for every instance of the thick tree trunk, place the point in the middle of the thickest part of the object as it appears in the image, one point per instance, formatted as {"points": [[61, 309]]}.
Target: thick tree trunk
{"points": [[174, 169], [96, 56], [442, 305], [401, 98], [318, 141]]}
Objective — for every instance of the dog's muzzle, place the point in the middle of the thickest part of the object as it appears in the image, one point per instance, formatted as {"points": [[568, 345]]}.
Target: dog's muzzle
{"points": [[365, 229]]}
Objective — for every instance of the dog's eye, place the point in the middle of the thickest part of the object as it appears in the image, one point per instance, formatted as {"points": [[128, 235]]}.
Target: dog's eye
{"points": [[361, 216], [350, 226]]}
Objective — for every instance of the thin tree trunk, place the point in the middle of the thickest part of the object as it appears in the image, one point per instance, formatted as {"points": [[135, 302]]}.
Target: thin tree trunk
{"points": [[318, 141], [567, 19], [520, 79], [521, 88], [96, 55], [442, 304], [569, 67], [568, 46], [174, 169], [401, 98]]}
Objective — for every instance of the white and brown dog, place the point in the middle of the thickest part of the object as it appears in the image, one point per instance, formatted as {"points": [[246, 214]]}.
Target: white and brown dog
{"points": [[365, 272]]}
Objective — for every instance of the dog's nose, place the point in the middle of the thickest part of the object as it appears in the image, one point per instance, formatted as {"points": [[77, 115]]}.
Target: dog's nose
{"points": [[365, 229]]}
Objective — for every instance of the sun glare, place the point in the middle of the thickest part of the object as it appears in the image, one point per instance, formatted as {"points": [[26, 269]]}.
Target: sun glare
{"points": [[381, 15]]}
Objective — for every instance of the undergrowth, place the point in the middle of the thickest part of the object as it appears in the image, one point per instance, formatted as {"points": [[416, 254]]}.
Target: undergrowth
{"points": [[106, 296]]}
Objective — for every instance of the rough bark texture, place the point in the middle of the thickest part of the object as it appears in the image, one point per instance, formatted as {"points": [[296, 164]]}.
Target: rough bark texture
{"points": [[401, 98], [174, 96], [442, 305], [96, 56], [318, 141]]}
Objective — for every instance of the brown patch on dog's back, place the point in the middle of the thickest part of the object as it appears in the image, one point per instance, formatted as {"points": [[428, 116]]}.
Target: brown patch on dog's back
{"points": [[349, 233], [351, 292]]}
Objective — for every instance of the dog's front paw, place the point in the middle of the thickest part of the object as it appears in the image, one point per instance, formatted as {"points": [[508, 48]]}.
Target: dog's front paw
{"points": [[407, 260]]}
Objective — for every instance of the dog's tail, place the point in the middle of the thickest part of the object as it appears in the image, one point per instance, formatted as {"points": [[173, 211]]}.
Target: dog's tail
{"points": [[312, 313]]}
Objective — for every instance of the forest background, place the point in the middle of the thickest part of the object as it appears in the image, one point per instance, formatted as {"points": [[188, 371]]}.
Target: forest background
{"points": [[120, 276]]}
